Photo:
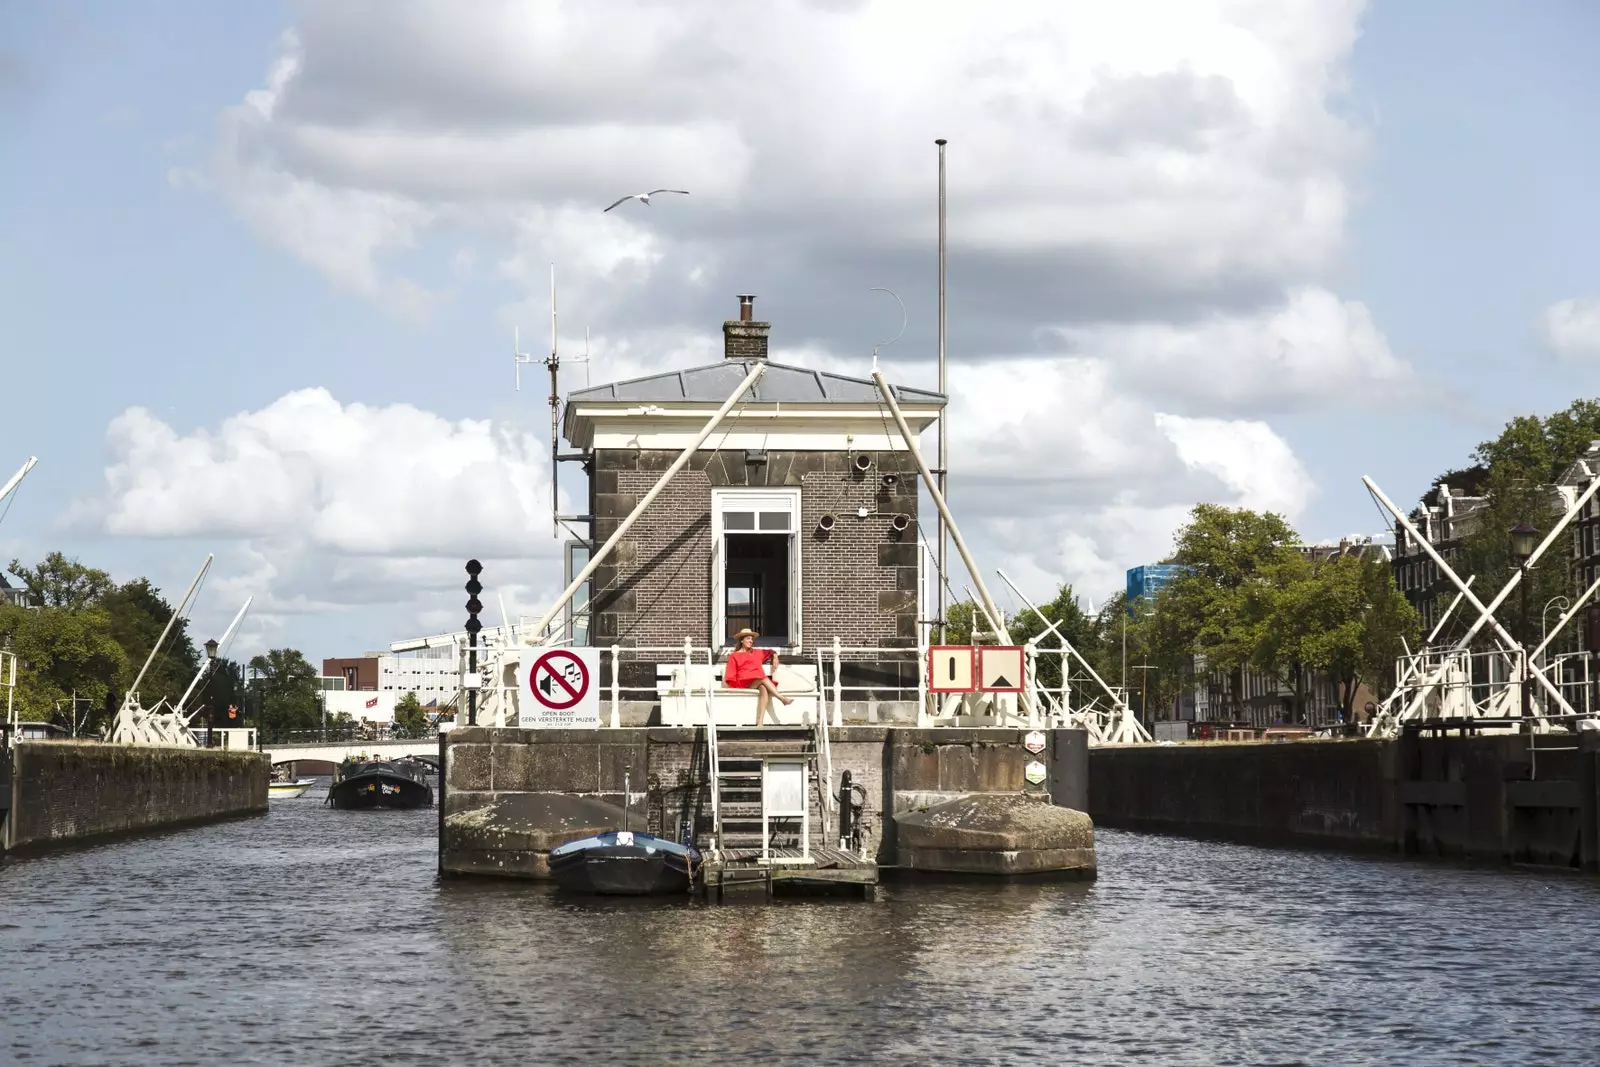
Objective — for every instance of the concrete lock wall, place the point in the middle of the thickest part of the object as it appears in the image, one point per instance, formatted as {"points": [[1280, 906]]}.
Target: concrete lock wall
{"points": [[1502, 799], [1334, 792], [509, 796], [71, 791]]}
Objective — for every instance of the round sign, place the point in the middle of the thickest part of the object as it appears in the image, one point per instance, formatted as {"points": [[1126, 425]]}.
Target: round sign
{"points": [[558, 680]]}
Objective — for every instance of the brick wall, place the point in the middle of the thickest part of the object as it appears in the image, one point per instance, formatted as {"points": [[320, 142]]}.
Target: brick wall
{"points": [[70, 791], [858, 582]]}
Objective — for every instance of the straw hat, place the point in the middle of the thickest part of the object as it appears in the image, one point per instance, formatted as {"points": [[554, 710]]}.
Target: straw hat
{"points": [[746, 632]]}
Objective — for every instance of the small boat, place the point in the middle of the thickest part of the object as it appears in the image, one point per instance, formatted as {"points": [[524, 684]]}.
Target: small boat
{"points": [[623, 863], [373, 783], [288, 790]]}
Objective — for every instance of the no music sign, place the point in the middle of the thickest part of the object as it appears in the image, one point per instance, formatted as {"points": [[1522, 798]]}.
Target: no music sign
{"points": [[558, 687]]}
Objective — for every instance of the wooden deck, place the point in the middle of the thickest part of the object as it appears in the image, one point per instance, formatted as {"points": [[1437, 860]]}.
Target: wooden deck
{"points": [[741, 870]]}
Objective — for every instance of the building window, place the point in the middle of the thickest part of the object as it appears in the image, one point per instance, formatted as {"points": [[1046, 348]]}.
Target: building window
{"points": [[756, 565]]}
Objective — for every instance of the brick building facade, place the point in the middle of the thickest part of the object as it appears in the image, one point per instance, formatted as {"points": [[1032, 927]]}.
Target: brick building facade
{"points": [[798, 517], [858, 581]]}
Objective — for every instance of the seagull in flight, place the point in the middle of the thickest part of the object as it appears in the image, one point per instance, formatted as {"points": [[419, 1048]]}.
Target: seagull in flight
{"points": [[644, 198]]}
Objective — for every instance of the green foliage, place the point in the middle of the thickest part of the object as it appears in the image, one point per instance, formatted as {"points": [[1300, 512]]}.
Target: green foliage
{"points": [[1253, 599], [1535, 450], [1215, 609], [410, 720], [286, 696], [1069, 620], [62, 653], [84, 639], [138, 615], [59, 582], [1342, 617], [958, 622]]}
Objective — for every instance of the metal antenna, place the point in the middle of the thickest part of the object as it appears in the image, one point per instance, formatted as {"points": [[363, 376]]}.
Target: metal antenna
{"points": [[554, 363], [896, 337]]}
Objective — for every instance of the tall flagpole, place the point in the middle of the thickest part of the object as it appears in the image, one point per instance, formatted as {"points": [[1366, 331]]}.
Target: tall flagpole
{"points": [[944, 413]]}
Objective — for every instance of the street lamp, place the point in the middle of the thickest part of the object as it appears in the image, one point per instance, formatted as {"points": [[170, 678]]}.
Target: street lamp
{"points": [[1523, 537], [211, 696], [1544, 616]]}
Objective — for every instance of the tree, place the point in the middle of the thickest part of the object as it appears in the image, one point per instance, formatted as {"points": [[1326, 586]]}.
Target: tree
{"points": [[1213, 608], [138, 615], [410, 720], [64, 655], [958, 622], [1342, 617], [1069, 619], [287, 696], [59, 582]]}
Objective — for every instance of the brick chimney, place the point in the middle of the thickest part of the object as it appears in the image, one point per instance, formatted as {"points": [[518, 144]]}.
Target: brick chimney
{"points": [[744, 337]]}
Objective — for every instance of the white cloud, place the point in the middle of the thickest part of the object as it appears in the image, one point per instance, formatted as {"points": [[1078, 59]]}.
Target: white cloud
{"points": [[1147, 200], [1249, 458], [1192, 145], [1571, 328], [1290, 356], [319, 506]]}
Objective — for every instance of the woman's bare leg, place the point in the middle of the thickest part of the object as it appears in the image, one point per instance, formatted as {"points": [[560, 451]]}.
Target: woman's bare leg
{"points": [[768, 686], [763, 701]]}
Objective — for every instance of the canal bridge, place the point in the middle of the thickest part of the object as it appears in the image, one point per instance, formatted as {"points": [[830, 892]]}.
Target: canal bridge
{"points": [[338, 751]]}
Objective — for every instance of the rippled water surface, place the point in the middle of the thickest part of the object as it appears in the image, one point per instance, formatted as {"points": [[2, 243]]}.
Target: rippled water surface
{"points": [[312, 936]]}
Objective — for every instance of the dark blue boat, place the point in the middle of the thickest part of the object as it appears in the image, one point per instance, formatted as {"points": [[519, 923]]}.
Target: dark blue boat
{"points": [[623, 863]]}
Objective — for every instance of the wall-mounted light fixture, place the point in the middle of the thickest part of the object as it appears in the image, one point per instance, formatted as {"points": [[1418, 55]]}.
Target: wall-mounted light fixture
{"points": [[825, 524], [891, 480], [863, 462], [900, 523]]}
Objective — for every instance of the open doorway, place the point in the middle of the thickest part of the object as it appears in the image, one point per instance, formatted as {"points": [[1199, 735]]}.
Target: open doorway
{"points": [[757, 586], [756, 565]]}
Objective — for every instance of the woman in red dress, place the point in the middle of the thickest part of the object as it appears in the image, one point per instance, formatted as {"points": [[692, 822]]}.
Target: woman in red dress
{"points": [[744, 672]]}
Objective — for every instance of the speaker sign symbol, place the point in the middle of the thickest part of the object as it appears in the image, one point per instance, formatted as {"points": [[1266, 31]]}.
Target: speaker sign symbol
{"points": [[557, 689]]}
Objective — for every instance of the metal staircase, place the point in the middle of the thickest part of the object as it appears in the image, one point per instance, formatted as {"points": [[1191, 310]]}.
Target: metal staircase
{"points": [[766, 782]]}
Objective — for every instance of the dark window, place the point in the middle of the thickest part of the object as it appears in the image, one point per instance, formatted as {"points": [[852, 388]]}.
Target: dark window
{"points": [[757, 584]]}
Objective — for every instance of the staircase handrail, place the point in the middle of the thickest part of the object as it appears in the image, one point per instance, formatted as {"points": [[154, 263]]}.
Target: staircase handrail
{"points": [[715, 765]]}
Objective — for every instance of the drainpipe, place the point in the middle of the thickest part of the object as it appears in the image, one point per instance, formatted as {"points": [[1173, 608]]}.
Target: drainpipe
{"points": [[532, 636], [944, 510]]}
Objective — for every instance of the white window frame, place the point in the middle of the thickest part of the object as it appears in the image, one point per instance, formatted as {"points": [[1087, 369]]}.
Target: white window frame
{"points": [[570, 566], [757, 500]]}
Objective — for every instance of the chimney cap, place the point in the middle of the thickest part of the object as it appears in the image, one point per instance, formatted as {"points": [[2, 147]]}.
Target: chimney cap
{"points": [[747, 310]]}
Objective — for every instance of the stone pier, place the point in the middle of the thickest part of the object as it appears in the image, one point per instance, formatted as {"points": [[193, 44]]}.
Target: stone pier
{"points": [[509, 796], [65, 792]]}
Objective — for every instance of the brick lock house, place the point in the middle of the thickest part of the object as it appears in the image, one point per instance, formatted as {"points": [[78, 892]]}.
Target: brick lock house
{"points": [[797, 518]]}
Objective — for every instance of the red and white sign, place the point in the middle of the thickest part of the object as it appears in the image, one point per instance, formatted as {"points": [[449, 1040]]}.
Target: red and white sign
{"points": [[372, 703], [950, 669], [558, 688], [1000, 668]]}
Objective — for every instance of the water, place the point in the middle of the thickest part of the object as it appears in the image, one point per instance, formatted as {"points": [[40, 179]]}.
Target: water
{"points": [[310, 936]]}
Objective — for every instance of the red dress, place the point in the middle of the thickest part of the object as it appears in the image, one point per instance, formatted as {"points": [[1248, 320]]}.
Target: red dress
{"points": [[744, 668]]}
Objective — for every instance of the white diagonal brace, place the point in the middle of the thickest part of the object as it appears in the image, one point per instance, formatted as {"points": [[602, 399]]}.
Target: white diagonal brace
{"points": [[1486, 614]]}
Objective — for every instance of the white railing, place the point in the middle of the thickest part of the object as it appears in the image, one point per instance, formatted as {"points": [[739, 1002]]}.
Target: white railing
{"points": [[1438, 683], [1057, 691]]}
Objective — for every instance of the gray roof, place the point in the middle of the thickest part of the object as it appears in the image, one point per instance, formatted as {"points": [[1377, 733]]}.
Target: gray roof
{"points": [[781, 384]]}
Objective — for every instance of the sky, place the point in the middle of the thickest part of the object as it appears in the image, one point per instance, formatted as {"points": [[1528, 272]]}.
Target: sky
{"points": [[262, 264]]}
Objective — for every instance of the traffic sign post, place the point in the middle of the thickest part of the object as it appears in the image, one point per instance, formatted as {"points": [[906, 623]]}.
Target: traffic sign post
{"points": [[556, 689], [950, 669], [1000, 668]]}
